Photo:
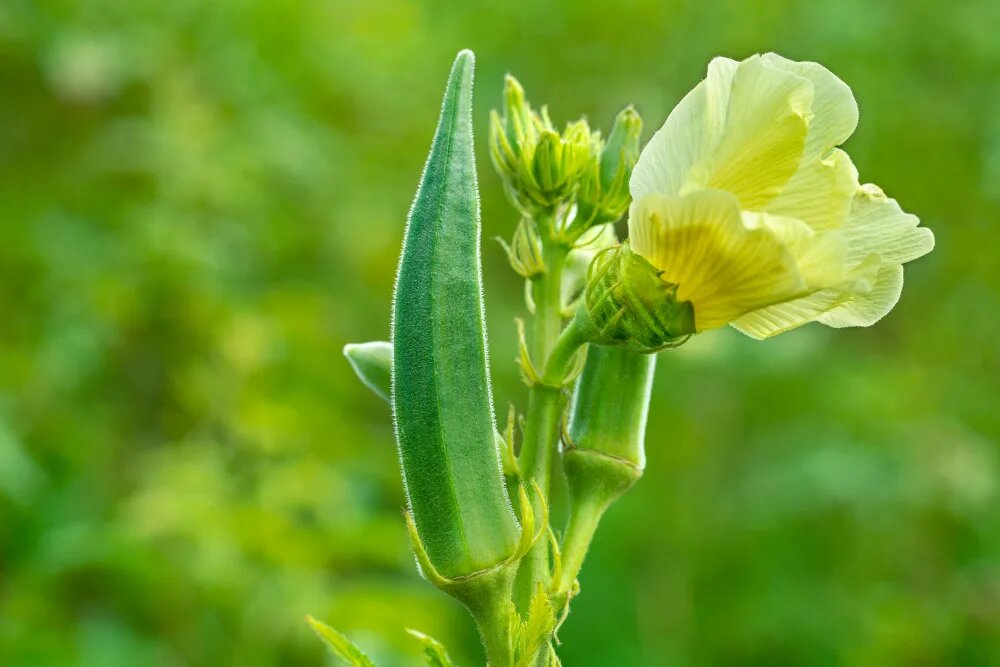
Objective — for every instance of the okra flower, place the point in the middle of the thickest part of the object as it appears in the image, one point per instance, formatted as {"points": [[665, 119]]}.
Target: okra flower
{"points": [[746, 206]]}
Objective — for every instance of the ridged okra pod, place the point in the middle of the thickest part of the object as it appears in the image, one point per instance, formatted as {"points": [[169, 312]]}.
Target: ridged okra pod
{"points": [[604, 443], [609, 410], [441, 395]]}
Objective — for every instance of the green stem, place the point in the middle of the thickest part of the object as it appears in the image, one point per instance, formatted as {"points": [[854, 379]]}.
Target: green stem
{"points": [[492, 621], [547, 295], [545, 408], [487, 597], [569, 343], [583, 521], [541, 431]]}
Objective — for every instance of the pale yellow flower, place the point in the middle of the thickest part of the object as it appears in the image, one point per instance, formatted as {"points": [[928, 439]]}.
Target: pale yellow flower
{"points": [[744, 201]]}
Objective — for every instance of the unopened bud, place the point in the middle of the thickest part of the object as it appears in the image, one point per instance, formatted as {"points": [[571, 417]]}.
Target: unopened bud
{"points": [[540, 166], [525, 250], [630, 304], [604, 194]]}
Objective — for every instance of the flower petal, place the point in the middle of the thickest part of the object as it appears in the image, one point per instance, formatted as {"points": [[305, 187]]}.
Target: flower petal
{"points": [[834, 109], [863, 310], [781, 317], [821, 258], [859, 286], [742, 129], [764, 136], [722, 267], [820, 192], [666, 161], [877, 224]]}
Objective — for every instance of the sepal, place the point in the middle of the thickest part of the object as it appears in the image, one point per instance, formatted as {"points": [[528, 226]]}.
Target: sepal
{"points": [[340, 645], [435, 654], [629, 303], [530, 635], [505, 441], [525, 250]]}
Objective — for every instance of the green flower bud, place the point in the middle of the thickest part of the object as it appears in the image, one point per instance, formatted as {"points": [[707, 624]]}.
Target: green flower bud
{"points": [[525, 250], [629, 303], [604, 194], [621, 151], [540, 167], [578, 262]]}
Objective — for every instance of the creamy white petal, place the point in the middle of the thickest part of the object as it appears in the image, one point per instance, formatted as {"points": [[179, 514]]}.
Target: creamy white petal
{"points": [[765, 130], [722, 267], [877, 224], [858, 286], [742, 129], [820, 192], [665, 162], [863, 310], [834, 109], [820, 257], [778, 318]]}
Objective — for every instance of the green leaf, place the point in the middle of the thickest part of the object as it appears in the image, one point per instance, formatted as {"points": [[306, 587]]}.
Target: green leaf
{"points": [[442, 399], [372, 363], [434, 651], [340, 645]]}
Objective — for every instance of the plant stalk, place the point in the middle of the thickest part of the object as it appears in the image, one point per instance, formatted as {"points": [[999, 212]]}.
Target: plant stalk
{"points": [[583, 521], [545, 408]]}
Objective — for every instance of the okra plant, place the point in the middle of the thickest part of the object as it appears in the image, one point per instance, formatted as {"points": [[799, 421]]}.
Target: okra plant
{"points": [[741, 209]]}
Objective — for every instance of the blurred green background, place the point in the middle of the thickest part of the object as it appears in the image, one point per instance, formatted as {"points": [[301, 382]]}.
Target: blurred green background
{"points": [[201, 202]]}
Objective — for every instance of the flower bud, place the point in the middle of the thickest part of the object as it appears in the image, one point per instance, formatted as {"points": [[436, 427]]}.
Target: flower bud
{"points": [[525, 250], [630, 304], [593, 241], [540, 167], [604, 194]]}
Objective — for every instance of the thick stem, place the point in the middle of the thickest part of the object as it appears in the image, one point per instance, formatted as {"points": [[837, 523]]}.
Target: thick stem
{"points": [[492, 621], [487, 597]]}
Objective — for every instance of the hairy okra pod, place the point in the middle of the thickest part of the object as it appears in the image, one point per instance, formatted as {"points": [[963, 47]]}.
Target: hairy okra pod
{"points": [[441, 393]]}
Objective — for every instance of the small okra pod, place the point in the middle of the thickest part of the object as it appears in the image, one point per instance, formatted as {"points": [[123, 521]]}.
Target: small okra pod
{"points": [[604, 451]]}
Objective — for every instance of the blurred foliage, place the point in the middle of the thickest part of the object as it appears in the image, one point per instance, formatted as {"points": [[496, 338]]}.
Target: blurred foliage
{"points": [[200, 203]]}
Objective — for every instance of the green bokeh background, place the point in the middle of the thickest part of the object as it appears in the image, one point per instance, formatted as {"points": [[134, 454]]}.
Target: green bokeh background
{"points": [[201, 202]]}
